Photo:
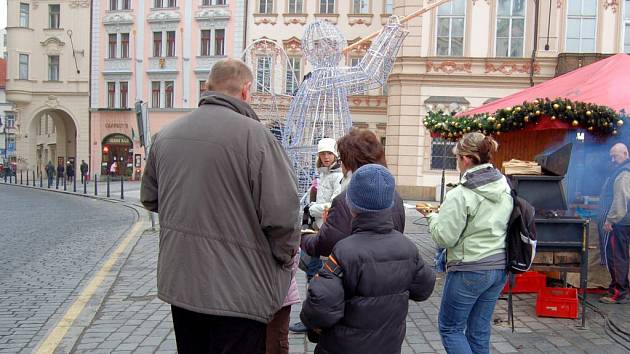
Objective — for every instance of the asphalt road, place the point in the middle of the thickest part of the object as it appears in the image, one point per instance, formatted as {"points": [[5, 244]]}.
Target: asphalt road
{"points": [[50, 244]]}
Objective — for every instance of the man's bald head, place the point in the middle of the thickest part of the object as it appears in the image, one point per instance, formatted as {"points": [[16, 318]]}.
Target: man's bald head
{"points": [[619, 153], [230, 77]]}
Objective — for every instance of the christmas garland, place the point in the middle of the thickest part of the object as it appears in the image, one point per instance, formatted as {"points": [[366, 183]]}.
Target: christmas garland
{"points": [[594, 118]]}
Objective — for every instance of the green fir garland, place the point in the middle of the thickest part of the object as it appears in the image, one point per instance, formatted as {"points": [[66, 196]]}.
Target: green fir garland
{"points": [[596, 119]]}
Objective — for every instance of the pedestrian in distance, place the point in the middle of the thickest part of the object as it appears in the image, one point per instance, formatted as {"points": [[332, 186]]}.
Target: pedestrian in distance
{"points": [[228, 206], [84, 171], [615, 199], [70, 171], [472, 226], [50, 173], [112, 168], [60, 172], [359, 300]]}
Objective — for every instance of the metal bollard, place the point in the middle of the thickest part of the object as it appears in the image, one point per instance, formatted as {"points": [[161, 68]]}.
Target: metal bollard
{"points": [[84, 186], [64, 184], [57, 182], [122, 188], [95, 185], [74, 183], [33, 178], [107, 185], [26, 178], [41, 180]]}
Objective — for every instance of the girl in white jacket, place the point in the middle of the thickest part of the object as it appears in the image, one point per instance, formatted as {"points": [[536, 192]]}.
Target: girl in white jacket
{"points": [[329, 184]]}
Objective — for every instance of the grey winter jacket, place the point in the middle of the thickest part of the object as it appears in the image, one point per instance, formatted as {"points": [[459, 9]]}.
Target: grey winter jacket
{"points": [[328, 188], [228, 205], [360, 297]]}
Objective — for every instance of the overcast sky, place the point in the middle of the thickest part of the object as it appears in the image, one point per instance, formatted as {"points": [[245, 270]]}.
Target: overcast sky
{"points": [[3, 13]]}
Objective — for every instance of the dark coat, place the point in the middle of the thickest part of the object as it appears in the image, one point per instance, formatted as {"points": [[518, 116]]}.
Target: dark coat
{"points": [[60, 170], [228, 205], [84, 168], [362, 305], [338, 226]]}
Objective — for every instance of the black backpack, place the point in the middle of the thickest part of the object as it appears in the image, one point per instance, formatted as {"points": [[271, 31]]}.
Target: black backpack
{"points": [[520, 243]]}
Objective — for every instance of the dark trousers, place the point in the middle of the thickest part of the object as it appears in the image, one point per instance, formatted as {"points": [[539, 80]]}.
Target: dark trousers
{"points": [[201, 333], [278, 332], [617, 259]]}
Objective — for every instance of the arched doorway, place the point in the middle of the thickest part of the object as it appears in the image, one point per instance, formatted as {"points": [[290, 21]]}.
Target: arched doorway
{"points": [[118, 151], [52, 137]]}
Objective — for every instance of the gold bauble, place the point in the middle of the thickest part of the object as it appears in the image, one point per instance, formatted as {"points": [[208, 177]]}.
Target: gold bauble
{"points": [[491, 119], [605, 124], [588, 113], [590, 129], [502, 120], [499, 126], [614, 132], [518, 109], [498, 133], [535, 101], [620, 122], [556, 106], [568, 108], [526, 119], [575, 123], [537, 113], [553, 117]]}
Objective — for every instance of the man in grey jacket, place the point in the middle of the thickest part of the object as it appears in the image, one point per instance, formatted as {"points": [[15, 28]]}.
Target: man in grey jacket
{"points": [[615, 200], [228, 206]]}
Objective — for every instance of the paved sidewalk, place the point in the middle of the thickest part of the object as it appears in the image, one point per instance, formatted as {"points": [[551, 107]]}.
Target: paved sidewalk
{"points": [[132, 319]]}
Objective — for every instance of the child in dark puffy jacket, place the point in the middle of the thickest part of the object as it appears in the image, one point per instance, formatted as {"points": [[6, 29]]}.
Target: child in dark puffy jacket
{"points": [[358, 302]]}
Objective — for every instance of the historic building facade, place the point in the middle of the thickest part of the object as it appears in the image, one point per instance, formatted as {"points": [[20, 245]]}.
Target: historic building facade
{"points": [[47, 80], [468, 52], [155, 51]]}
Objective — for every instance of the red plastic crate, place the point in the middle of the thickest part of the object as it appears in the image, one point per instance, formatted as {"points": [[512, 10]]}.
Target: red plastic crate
{"points": [[528, 282], [557, 302]]}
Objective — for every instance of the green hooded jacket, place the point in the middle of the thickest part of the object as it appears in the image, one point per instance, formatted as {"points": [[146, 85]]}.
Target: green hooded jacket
{"points": [[473, 218]]}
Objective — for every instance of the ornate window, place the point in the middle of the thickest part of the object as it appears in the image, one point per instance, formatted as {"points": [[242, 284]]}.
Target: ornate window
{"points": [[54, 15], [293, 75], [581, 24], [157, 44], [113, 5], [205, 43], [170, 43], [450, 28], [326, 6], [53, 68], [510, 28], [388, 7], [155, 93], [126, 4], [263, 75]]}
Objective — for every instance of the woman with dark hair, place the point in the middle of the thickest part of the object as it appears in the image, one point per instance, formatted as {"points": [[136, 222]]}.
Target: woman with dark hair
{"points": [[471, 225], [357, 148]]}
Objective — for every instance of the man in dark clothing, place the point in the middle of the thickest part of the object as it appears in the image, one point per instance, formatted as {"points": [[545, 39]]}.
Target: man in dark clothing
{"points": [[360, 298], [70, 171], [60, 173], [228, 206], [84, 171], [615, 201], [50, 173]]}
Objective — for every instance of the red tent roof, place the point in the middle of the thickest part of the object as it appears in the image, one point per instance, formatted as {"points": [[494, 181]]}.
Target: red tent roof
{"points": [[3, 73], [605, 82]]}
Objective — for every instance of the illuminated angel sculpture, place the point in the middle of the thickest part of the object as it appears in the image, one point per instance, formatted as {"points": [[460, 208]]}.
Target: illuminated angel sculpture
{"points": [[320, 106]]}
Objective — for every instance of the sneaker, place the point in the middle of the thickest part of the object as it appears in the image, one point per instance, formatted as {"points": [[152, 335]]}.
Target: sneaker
{"points": [[298, 327], [614, 298]]}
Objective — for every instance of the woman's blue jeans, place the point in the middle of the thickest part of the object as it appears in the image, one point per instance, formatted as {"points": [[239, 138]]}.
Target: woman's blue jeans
{"points": [[465, 316]]}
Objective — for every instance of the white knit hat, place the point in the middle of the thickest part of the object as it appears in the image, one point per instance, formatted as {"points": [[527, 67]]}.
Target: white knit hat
{"points": [[328, 145]]}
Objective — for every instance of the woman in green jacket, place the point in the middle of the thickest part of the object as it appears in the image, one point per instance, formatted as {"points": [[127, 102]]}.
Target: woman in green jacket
{"points": [[472, 225]]}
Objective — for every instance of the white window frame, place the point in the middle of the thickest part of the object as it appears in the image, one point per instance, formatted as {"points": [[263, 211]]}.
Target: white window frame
{"points": [[50, 16], [172, 104], [51, 72], [119, 45], [159, 103], [119, 94], [385, 7], [450, 30], [201, 53], [267, 76], [266, 6], [362, 10], [293, 8], [115, 46], [107, 97], [25, 16], [510, 37], [20, 56], [214, 42], [581, 17], [327, 2], [291, 71]]}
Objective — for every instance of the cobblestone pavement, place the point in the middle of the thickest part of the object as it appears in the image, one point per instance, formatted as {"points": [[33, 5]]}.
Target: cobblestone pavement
{"points": [[51, 243], [131, 319]]}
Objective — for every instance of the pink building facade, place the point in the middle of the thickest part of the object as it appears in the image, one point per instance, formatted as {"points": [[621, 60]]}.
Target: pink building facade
{"points": [[158, 52]]}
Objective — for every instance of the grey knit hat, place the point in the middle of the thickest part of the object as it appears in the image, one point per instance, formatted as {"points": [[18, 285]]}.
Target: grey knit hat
{"points": [[371, 189]]}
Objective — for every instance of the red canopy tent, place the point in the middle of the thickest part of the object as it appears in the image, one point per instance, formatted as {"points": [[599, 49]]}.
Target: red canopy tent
{"points": [[605, 83]]}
